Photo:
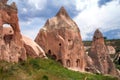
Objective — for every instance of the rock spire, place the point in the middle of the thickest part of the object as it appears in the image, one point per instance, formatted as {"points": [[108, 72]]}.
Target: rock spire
{"points": [[100, 55], [60, 38]]}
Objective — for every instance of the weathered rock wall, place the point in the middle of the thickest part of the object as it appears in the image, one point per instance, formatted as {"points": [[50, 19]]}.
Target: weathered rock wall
{"points": [[60, 38], [100, 55], [12, 46]]}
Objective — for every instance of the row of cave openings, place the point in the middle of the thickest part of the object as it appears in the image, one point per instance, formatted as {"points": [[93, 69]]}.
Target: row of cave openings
{"points": [[68, 62]]}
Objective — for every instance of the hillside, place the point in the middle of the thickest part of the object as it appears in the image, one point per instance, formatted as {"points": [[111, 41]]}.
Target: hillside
{"points": [[43, 69]]}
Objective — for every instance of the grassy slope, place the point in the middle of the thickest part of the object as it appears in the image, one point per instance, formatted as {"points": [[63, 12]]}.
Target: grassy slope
{"points": [[43, 69]]}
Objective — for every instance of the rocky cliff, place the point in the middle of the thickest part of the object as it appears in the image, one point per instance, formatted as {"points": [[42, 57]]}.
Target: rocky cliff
{"points": [[60, 38], [99, 53], [12, 47]]}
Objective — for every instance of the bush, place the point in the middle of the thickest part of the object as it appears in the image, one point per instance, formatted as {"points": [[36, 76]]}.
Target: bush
{"points": [[118, 67], [45, 77]]}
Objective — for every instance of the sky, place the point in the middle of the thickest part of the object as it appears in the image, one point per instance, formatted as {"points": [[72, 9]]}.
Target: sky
{"points": [[88, 14]]}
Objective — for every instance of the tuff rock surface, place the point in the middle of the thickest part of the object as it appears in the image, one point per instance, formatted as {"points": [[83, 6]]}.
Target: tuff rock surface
{"points": [[111, 50], [32, 48], [100, 55], [12, 46], [60, 38]]}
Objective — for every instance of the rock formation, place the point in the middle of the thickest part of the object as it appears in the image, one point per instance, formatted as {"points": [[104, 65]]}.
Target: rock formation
{"points": [[32, 48], [60, 38], [111, 50], [100, 55], [12, 47]]}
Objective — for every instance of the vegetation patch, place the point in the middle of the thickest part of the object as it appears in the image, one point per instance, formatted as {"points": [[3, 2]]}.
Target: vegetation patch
{"points": [[43, 69]]}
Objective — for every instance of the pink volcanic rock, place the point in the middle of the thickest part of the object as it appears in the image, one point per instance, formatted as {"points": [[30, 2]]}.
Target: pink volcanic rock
{"points": [[60, 38], [11, 45], [111, 49], [100, 55], [32, 48]]}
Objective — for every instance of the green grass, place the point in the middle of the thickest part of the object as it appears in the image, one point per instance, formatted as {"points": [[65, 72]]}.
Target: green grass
{"points": [[43, 69]]}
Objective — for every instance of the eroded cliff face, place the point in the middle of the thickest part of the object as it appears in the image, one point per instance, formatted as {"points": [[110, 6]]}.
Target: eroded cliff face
{"points": [[60, 38], [13, 48], [32, 48], [11, 45], [100, 55]]}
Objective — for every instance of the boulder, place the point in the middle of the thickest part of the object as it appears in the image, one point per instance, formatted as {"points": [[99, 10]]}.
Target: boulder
{"points": [[32, 48], [61, 40]]}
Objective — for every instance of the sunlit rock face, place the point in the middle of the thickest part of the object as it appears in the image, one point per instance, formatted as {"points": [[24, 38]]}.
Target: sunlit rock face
{"points": [[32, 48], [100, 55], [60, 38], [11, 45], [111, 50]]}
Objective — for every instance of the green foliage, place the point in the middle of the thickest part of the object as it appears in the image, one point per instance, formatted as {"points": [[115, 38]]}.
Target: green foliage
{"points": [[118, 66], [45, 77], [43, 69], [87, 43]]}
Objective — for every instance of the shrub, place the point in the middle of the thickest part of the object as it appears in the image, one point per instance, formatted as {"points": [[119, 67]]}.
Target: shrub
{"points": [[45, 77]]}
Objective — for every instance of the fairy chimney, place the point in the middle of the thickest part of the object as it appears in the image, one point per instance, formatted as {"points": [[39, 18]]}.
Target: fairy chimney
{"points": [[11, 45], [100, 55], [60, 38]]}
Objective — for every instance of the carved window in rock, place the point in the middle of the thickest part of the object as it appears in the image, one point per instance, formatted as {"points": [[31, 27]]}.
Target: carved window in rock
{"points": [[77, 62], [60, 44], [69, 40], [7, 33], [68, 63], [50, 55], [49, 52]]}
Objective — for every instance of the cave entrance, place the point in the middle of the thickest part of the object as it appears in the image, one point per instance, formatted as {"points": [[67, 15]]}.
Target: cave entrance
{"points": [[50, 55], [49, 52], [77, 62], [7, 33], [68, 63]]}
